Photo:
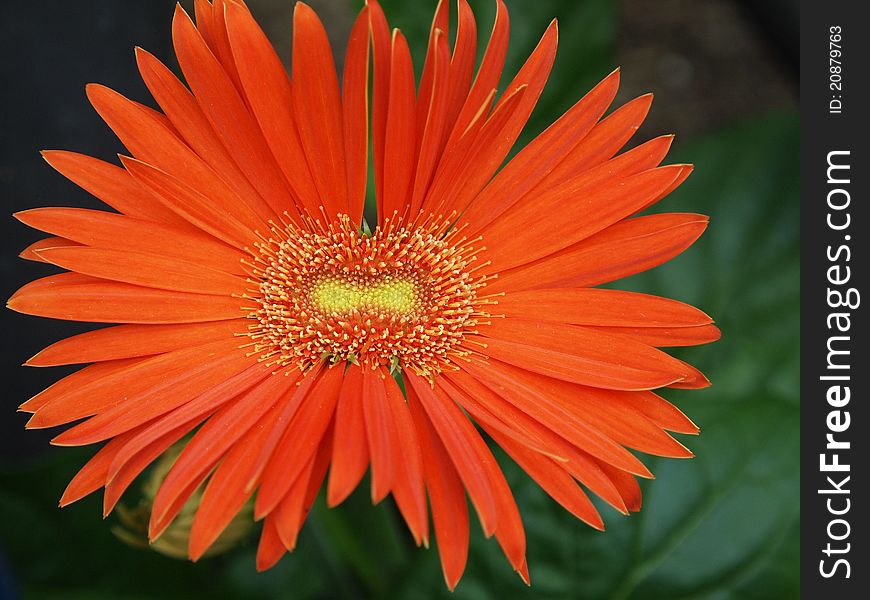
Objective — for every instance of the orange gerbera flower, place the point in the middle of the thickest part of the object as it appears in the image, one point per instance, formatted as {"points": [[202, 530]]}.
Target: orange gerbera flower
{"points": [[259, 312]]}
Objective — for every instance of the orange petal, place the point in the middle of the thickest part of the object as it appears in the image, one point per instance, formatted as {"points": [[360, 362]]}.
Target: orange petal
{"points": [[225, 494], [33, 250], [67, 296], [461, 64], [546, 229], [667, 337], [211, 443], [380, 432], [553, 479], [121, 478], [300, 441], [355, 112], [605, 140], [293, 510], [522, 389], [464, 445], [350, 457], [438, 30], [290, 510], [489, 73], [219, 42], [150, 141], [268, 92], [612, 414], [627, 486], [463, 170], [226, 111], [189, 415], [82, 377], [130, 341], [581, 355], [202, 210], [270, 549], [533, 430], [663, 413], [431, 130], [534, 162], [113, 185], [108, 230], [185, 375], [92, 476], [148, 270], [531, 77], [400, 133], [626, 248], [191, 123], [381, 53], [318, 108], [409, 488], [601, 307], [446, 495]]}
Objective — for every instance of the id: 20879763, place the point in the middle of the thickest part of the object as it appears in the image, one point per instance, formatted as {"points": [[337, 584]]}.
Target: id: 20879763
{"points": [[835, 69]]}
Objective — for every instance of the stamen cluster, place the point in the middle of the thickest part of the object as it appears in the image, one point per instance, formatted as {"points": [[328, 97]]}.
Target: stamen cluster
{"points": [[401, 297]]}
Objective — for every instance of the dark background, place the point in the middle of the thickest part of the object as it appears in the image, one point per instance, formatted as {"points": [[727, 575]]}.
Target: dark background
{"points": [[723, 525]]}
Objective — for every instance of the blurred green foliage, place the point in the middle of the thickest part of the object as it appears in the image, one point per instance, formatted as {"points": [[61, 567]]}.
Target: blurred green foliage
{"points": [[722, 525]]}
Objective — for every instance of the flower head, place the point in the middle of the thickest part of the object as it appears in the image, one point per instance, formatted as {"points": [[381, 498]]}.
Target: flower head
{"points": [[286, 342]]}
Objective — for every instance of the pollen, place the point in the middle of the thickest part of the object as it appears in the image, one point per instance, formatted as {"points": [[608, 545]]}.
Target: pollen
{"points": [[340, 296], [403, 296]]}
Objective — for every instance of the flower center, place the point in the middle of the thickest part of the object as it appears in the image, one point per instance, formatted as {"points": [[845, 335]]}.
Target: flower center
{"points": [[340, 296], [404, 296]]}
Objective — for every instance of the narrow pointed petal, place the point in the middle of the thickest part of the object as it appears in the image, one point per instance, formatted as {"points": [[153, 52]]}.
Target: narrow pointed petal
{"points": [[318, 108], [465, 447], [225, 494], [489, 73], [400, 132], [153, 143], [663, 413], [446, 495], [199, 208], [92, 476], [188, 119], [100, 229], [131, 341], [523, 391], [380, 432], [213, 441], [380, 35], [532, 426], [122, 477], [80, 378], [408, 480], [113, 185], [270, 549], [191, 414], [147, 270], [355, 114], [185, 375], [553, 479], [509, 245], [350, 457], [601, 307], [268, 92], [628, 247], [67, 296], [226, 111], [33, 250], [534, 162], [300, 441], [581, 355]]}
